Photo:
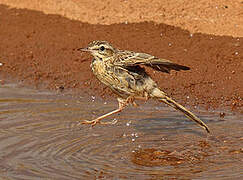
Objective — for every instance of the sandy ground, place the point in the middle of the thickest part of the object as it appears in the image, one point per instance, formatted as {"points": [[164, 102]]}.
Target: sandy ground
{"points": [[219, 17], [40, 49]]}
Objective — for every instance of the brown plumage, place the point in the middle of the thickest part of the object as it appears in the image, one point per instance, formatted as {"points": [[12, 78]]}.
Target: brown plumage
{"points": [[120, 70]]}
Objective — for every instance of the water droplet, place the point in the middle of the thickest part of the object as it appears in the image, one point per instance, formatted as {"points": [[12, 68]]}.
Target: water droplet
{"points": [[1, 64], [191, 35], [128, 123], [236, 53], [136, 135], [114, 121], [187, 97], [169, 44], [93, 98]]}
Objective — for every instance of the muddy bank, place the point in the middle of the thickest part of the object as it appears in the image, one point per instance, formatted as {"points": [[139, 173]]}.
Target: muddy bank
{"points": [[40, 50]]}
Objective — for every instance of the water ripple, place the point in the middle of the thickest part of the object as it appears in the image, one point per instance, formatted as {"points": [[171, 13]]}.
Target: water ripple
{"points": [[38, 140]]}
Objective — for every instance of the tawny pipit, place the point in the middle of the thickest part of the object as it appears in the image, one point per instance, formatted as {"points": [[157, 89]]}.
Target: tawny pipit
{"points": [[120, 71]]}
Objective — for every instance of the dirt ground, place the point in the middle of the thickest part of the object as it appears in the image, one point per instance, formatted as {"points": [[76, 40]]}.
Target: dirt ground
{"points": [[40, 49], [218, 17]]}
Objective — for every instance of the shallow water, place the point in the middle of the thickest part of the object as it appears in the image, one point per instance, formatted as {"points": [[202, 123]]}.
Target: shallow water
{"points": [[40, 139]]}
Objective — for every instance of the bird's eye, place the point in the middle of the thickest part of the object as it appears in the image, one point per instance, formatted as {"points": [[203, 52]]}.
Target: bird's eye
{"points": [[102, 48]]}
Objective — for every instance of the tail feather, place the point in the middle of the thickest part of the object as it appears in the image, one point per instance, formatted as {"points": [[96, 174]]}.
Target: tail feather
{"points": [[165, 99]]}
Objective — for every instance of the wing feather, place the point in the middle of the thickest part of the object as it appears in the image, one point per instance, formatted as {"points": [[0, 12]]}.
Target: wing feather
{"points": [[129, 58]]}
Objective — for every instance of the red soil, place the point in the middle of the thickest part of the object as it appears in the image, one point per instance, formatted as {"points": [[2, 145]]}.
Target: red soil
{"points": [[40, 50]]}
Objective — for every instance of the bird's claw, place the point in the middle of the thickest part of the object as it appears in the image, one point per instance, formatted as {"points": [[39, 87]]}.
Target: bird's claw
{"points": [[92, 122], [95, 121]]}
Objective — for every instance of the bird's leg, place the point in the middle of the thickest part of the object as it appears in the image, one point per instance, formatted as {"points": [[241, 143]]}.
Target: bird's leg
{"points": [[122, 104], [132, 100], [135, 104]]}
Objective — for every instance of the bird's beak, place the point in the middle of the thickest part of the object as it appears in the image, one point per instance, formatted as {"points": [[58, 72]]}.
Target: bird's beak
{"points": [[83, 49]]}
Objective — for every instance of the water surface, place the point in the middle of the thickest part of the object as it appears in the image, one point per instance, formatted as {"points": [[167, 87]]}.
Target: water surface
{"points": [[40, 138]]}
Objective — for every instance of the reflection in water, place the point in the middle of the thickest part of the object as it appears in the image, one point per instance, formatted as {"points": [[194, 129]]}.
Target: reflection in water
{"points": [[39, 139]]}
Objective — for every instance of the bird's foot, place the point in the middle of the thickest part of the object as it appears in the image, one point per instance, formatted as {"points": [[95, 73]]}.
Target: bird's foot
{"points": [[96, 121], [91, 122]]}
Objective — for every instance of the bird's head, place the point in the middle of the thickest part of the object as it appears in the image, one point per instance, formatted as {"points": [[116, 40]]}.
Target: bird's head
{"points": [[100, 49]]}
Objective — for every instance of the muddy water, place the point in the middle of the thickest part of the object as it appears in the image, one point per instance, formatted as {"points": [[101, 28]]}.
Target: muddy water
{"points": [[40, 139]]}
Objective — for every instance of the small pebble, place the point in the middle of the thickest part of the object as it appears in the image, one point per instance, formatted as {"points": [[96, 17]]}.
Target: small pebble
{"points": [[222, 114], [61, 88]]}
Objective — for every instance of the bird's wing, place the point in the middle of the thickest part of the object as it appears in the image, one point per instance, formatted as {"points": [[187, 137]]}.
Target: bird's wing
{"points": [[129, 58]]}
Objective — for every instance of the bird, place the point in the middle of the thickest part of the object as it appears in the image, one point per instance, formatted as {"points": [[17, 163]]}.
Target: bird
{"points": [[124, 73]]}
